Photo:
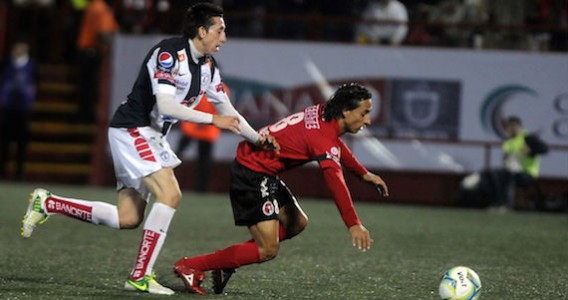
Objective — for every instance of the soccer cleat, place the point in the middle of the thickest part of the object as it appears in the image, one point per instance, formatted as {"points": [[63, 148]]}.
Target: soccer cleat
{"points": [[148, 284], [220, 279], [192, 278], [35, 213]]}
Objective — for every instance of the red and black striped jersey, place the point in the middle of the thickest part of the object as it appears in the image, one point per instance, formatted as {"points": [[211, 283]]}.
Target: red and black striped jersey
{"points": [[304, 137]]}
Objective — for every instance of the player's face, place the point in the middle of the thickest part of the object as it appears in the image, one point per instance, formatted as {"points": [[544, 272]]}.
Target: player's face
{"points": [[355, 120], [214, 37]]}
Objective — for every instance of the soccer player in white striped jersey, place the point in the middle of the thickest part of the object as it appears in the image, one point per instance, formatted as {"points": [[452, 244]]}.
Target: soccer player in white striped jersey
{"points": [[175, 75]]}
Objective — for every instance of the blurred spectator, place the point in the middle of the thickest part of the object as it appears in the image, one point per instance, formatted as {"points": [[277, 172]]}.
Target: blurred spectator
{"points": [[391, 33], [295, 24], [521, 165], [339, 10], [243, 23], [136, 16], [559, 18], [475, 12], [419, 33], [448, 13], [548, 14], [536, 18], [17, 94], [97, 26], [162, 20], [70, 15], [36, 18], [508, 13]]}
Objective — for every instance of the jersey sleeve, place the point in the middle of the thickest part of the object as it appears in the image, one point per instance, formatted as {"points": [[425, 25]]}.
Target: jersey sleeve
{"points": [[217, 95], [349, 161], [161, 66], [335, 181], [328, 156]]}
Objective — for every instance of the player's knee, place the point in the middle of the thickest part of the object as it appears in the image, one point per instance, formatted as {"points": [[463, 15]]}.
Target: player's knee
{"points": [[268, 252], [297, 228], [129, 220], [171, 198], [302, 224]]}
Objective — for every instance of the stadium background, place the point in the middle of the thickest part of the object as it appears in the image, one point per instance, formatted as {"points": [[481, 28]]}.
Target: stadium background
{"points": [[520, 255], [438, 99]]}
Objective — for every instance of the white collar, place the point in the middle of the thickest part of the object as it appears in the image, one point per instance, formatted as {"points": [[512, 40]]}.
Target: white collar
{"points": [[195, 54]]}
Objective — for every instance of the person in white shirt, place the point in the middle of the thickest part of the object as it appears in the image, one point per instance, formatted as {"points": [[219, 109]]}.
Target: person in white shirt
{"points": [[392, 32]]}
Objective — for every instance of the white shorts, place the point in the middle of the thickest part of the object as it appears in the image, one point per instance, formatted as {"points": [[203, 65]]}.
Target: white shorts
{"points": [[136, 153]]}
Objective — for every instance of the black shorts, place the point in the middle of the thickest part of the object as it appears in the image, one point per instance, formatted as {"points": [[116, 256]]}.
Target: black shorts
{"points": [[256, 197]]}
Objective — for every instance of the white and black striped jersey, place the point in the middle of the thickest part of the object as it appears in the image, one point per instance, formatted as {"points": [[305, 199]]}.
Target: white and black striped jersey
{"points": [[169, 68]]}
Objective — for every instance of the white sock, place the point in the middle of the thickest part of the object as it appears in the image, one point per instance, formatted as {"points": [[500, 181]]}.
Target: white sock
{"points": [[95, 212], [155, 231]]}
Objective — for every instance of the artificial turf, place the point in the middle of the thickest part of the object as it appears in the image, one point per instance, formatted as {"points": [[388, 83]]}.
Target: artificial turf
{"points": [[517, 255]]}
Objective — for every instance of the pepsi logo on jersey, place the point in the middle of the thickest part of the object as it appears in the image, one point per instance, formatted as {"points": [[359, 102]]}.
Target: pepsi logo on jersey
{"points": [[165, 60]]}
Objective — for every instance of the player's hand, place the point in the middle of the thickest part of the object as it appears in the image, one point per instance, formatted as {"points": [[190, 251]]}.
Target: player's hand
{"points": [[378, 182], [268, 142], [230, 123], [360, 237]]}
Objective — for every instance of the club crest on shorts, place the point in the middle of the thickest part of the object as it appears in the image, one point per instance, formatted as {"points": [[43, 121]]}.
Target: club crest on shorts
{"points": [[165, 155], [268, 208]]}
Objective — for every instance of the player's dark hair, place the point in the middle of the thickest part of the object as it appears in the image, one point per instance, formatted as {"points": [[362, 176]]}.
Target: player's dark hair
{"points": [[200, 14], [347, 97]]}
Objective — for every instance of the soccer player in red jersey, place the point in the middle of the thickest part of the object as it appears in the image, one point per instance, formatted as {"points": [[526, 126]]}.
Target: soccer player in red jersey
{"points": [[263, 203]]}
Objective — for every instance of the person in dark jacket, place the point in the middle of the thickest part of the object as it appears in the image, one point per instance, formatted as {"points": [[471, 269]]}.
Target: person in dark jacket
{"points": [[17, 95]]}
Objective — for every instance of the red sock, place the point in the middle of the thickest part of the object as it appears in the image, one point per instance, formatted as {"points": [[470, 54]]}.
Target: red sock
{"points": [[281, 233], [229, 258]]}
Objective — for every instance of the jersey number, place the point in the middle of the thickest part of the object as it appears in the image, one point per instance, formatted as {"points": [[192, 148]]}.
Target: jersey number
{"points": [[290, 120]]}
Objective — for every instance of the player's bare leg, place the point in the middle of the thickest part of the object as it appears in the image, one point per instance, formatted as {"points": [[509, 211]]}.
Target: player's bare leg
{"points": [[164, 186], [268, 234], [265, 235], [293, 220], [131, 207], [263, 247]]}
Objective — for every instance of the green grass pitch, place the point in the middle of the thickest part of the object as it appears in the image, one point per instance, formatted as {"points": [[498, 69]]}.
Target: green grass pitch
{"points": [[517, 255]]}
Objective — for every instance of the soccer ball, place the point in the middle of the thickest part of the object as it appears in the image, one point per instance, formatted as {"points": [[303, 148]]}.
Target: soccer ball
{"points": [[460, 283]]}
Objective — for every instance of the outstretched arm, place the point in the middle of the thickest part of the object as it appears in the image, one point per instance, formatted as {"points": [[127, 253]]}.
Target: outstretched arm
{"points": [[168, 107], [360, 236], [217, 94], [264, 141]]}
